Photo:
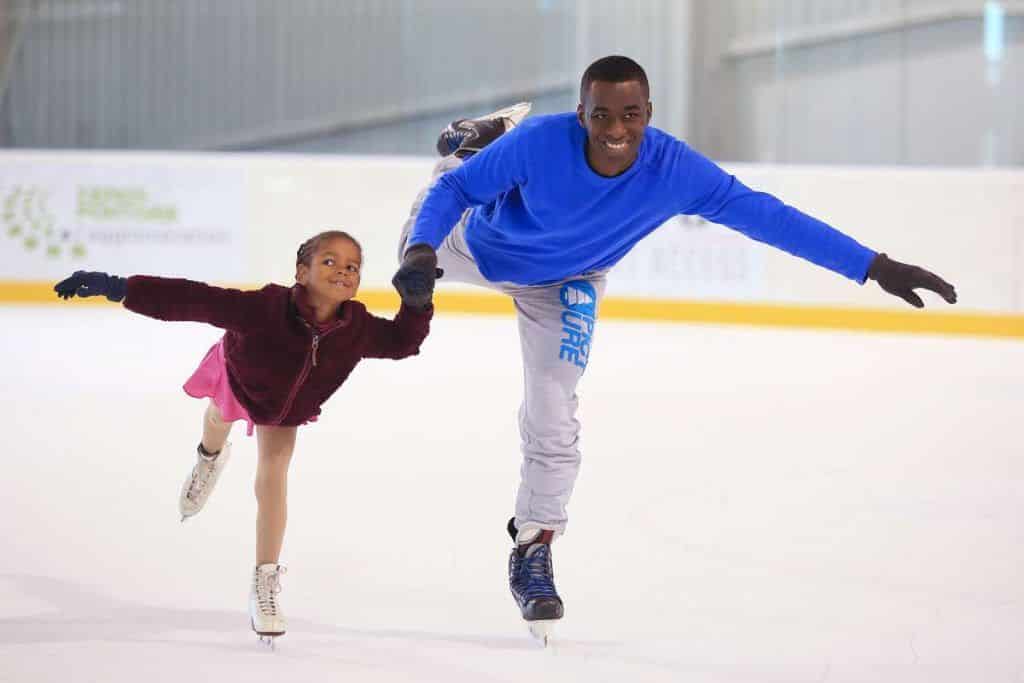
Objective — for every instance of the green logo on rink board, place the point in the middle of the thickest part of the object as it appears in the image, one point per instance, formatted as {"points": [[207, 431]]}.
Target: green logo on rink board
{"points": [[111, 203], [27, 218]]}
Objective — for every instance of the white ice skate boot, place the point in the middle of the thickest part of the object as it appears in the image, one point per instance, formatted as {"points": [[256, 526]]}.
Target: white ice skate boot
{"points": [[464, 137], [264, 612], [199, 484]]}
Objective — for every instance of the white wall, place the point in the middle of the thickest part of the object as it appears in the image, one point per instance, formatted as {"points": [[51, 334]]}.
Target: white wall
{"points": [[924, 82], [192, 74], [967, 225], [656, 33]]}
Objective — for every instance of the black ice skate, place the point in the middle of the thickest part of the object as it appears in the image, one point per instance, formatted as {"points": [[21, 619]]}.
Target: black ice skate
{"points": [[465, 137], [532, 582]]}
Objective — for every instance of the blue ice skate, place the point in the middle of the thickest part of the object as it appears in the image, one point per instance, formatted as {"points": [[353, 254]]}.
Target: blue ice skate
{"points": [[532, 581]]}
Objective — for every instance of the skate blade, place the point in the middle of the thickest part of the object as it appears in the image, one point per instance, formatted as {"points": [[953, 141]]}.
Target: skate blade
{"points": [[515, 114], [268, 640], [542, 630]]}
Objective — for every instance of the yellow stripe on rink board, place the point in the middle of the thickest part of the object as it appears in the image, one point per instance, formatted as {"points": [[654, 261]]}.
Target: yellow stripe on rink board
{"points": [[817, 317], [719, 313], [37, 293], [445, 302]]}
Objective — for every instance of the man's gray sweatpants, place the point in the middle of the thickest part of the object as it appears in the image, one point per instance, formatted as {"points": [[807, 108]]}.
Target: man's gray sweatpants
{"points": [[556, 328]]}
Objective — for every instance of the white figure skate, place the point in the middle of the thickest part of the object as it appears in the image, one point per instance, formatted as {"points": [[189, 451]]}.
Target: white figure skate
{"points": [[199, 484], [265, 613]]}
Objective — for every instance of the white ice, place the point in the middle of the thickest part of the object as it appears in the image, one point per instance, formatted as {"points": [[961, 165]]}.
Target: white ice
{"points": [[754, 505]]}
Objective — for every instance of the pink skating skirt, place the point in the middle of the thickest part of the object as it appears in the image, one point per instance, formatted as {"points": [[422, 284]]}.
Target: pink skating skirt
{"points": [[210, 380]]}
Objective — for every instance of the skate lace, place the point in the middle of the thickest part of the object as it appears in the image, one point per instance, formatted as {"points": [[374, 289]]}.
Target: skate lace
{"points": [[536, 577], [267, 587], [200, 478], [453, 138], [471, 131]]}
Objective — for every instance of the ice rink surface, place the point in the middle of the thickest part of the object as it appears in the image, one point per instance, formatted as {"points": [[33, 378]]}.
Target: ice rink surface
{"points": [[754, 505]]}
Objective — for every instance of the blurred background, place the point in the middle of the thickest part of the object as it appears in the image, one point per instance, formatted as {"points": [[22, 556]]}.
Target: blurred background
{"points": [[206, 139], [908, 82]]}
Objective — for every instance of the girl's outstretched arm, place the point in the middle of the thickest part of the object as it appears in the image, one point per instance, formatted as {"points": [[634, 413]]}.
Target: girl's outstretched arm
{"points": [[171, 298], [400, 337]]}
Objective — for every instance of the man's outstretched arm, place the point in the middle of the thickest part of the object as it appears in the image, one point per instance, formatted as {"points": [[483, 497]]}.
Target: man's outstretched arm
{"points": [[710, 192]]}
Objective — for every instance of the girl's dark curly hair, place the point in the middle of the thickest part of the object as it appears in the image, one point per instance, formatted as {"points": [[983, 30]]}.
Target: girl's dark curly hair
{"points": [[304, 256]]}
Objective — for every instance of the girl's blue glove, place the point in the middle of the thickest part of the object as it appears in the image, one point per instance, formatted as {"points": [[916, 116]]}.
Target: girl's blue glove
{"points": [[91, 283], [415, 278]]}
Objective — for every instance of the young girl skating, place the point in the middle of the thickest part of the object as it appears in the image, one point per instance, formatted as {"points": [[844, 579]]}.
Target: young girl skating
{"points": [[284, 352]]}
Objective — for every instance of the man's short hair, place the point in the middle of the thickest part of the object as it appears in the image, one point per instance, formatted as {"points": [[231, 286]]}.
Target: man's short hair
{"points": [[613, 69]]}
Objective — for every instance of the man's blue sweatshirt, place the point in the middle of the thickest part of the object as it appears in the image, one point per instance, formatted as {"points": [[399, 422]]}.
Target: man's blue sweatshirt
{"points": [[542, 215]]}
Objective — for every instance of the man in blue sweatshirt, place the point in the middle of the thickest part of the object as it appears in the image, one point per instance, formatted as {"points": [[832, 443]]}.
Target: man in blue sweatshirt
{"points": [[542, 211]]}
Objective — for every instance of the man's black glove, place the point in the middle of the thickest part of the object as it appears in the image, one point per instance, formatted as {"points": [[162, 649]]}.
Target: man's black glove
{"points": [[415, 277], [91, 283], [901, 279]]}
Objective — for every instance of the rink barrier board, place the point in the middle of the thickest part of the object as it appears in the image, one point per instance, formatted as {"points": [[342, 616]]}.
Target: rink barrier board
{"points": [[999, 325]]}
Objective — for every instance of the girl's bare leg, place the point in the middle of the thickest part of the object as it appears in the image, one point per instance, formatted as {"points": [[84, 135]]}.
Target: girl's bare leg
{"points": [[215, 430], [201, 480], [275, 446]]}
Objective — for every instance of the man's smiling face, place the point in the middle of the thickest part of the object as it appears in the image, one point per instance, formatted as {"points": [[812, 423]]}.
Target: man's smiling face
{"points": [[615, 116]]}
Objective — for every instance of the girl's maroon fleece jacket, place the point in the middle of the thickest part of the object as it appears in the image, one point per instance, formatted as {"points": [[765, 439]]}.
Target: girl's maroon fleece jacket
{"points": [[281, 365]]}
